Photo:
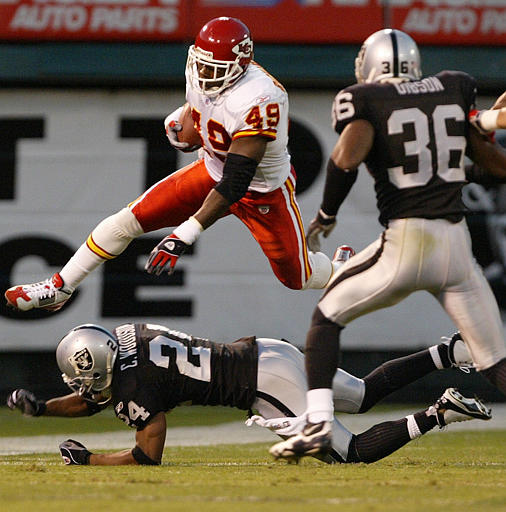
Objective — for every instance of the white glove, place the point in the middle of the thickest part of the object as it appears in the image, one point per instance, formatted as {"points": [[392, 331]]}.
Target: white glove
{"points": [[284, 426], [321, 224], [172, 126]]}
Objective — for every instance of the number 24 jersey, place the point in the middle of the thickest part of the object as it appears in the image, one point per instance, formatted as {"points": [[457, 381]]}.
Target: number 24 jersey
{"points": [[157, 369], [420, 139]]}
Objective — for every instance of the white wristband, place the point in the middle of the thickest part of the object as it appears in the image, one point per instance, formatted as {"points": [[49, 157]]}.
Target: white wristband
{"points": [[488, 119], [189, 230]]}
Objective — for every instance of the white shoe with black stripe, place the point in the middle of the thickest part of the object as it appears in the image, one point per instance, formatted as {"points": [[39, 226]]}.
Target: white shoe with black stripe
{"points": [[315, 439], [453, 407]]}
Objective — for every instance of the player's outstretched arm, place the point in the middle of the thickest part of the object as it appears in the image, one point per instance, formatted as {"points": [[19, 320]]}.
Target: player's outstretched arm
{"points": [[148, 449], [350, 151], [68, 406]]}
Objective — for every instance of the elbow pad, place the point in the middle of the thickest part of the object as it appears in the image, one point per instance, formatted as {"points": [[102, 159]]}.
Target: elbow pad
{"points": [[238, 172], [142, 459]]}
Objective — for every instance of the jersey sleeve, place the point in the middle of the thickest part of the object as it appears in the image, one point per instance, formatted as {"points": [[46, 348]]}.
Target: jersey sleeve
{"points": [[349, 104], [257, 113], [465, 82]]}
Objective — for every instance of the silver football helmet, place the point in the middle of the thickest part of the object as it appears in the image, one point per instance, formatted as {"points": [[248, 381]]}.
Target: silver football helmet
{"points": [[388, 55], [86, 356]]}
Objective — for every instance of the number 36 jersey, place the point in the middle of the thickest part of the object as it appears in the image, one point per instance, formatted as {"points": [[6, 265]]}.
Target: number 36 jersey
{"points": [[157, 369], [420, 138]]}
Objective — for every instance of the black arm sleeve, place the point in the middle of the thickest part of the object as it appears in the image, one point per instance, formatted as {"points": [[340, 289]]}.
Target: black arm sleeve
{"points": [[337, 186], [238, 172]]}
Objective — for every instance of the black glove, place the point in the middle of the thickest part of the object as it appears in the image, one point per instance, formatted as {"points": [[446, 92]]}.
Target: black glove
{"points": [[26, 402], [74, 453], [165, 255]]}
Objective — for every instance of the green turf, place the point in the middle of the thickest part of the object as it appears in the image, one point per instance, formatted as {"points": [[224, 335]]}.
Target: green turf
{"points": [[440, 472], [444, 471], [13, 423]]}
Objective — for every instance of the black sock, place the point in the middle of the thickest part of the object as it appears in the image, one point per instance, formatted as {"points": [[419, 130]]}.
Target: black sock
{"points": [[322, 351], [497, 375], [395, 374], [379, 441], [424, 422]]}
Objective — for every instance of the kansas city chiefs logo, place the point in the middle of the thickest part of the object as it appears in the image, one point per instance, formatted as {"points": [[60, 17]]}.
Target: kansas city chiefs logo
{"points": [[83, 359], [244, 48]]}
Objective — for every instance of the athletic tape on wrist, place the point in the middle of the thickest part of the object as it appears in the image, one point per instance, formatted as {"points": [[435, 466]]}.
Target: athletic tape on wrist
{"points": [[189, 230], [488, 119]]}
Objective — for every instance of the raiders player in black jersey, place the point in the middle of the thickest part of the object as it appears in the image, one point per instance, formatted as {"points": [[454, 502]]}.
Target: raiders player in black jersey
{"points": [[412, 133], [145, 370]]}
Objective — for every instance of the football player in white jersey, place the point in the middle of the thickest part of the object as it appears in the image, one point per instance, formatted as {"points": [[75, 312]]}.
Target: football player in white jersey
{"points": [[241, 114]]}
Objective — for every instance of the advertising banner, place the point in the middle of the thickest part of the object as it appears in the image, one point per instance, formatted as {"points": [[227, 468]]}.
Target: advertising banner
{"points": [[447, 22], [94, 20]]}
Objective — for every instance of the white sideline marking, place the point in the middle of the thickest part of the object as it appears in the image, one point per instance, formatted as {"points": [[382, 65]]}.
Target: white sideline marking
{"points": [[227, 433]]}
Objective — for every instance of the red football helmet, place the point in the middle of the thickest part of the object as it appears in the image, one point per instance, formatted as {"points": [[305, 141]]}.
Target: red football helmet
{"points": [[222, 51]]}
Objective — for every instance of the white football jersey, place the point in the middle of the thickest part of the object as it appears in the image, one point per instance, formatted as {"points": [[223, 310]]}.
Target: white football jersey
{"points": [[256, 104]]}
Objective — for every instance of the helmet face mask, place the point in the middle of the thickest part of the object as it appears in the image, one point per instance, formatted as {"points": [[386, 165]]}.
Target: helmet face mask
{"points": [[86, 357], [390, 56], [222, 52]]}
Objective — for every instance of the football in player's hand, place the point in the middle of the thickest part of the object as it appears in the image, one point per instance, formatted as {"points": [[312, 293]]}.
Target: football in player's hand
{"points": [[188, 131]]}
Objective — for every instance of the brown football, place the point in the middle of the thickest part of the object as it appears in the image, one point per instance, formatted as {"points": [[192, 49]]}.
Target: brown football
{"points": [[188, 132]]}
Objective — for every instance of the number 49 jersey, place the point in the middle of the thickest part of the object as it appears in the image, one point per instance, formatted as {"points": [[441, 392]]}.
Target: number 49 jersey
{"points": [[421, 128], [257, 104], [158, 368]]}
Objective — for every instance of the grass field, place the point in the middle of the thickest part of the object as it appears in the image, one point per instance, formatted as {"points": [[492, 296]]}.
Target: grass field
{"points": [[462, 471]]}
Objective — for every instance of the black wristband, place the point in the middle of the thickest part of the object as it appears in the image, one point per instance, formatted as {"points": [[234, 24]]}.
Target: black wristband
{"points": [[93, 408], [337, 185], [41, 408], [142, 459]]}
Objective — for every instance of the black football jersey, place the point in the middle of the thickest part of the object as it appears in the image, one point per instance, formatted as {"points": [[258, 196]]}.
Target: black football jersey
{"points": [[421, 128], [157, 369]]}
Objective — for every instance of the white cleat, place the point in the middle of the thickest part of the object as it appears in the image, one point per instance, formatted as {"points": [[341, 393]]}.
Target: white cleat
{"points": [[315, 439], [343, 253], [458, 354], [453, 407], [50, 294]]}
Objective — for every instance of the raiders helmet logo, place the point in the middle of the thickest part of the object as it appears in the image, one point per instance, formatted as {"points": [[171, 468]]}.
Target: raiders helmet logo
{"points": [[83, 360]]}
